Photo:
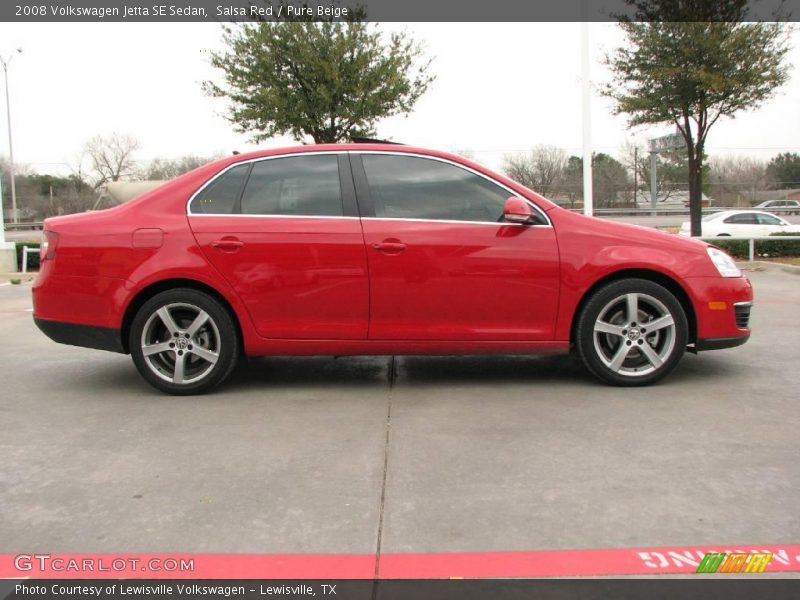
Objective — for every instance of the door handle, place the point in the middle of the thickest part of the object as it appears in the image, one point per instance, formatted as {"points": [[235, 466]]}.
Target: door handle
{"points": [[227, 245], [390, 246]]}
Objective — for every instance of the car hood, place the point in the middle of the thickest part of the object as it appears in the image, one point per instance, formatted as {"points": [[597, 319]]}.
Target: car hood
{"points": [[627, 232]]}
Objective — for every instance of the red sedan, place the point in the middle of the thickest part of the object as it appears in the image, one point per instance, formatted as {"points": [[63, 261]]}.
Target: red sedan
{"points": [[375, 249]]}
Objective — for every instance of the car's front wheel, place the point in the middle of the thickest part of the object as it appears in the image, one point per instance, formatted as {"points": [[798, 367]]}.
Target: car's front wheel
{"points": [[631, 332], [184, 341]]}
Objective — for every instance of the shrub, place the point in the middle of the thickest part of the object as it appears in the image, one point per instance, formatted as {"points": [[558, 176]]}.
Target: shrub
{"points": [[736, 248], [740, 248], [780, 247], [33, 258]]}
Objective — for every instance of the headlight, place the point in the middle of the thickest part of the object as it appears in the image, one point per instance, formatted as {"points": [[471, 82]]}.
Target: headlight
{"points": [[723, 262]]}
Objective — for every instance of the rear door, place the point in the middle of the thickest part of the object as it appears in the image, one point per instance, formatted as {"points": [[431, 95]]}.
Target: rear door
{"points": [[743, 224], [443, 264], [285, 233]]}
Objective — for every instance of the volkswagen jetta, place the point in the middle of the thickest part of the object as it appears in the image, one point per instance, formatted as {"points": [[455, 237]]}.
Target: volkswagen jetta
{"points": [[375, 249]]}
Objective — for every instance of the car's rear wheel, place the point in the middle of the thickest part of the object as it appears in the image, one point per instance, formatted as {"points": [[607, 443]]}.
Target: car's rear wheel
{"points": [[631, 332], [183, 341]]}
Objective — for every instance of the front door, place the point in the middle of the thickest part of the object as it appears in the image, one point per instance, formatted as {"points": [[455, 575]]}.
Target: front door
{"points": [[443, 264]]}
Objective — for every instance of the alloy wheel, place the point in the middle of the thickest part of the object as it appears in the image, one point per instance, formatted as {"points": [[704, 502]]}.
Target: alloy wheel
{"points": [[180, 343], [634, 334]]}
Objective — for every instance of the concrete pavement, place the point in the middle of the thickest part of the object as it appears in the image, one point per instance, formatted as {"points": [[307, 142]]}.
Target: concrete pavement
{"points": [[449, 454]]}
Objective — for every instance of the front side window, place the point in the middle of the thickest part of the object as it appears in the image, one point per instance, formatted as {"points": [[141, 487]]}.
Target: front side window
{"points": [[295, 185], [768, 220], [410, 187], [220, 196]]}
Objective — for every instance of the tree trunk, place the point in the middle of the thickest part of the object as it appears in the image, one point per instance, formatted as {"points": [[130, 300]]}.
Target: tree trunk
{"points": [[696, 191]]}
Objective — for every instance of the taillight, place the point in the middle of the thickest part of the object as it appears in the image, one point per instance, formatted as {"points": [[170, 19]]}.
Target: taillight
{"points": [[47, 249]]}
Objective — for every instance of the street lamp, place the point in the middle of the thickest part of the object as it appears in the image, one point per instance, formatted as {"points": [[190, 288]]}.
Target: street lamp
{"points": [[6, 62]]}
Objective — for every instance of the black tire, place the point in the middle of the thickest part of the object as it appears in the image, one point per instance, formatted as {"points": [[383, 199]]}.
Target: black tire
{"points": [[605, 334], [208, 346]]}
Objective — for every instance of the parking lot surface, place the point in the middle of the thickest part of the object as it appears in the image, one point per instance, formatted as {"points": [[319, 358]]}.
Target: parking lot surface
{"points": [[397, 455]]}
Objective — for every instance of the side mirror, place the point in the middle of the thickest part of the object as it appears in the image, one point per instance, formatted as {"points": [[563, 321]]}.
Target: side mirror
{"points": [[517, 210]]}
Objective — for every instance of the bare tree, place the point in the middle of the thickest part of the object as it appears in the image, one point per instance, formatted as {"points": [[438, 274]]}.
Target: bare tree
{"points": [[111, 157], [169, 168], [542, 169], [735, 179]]}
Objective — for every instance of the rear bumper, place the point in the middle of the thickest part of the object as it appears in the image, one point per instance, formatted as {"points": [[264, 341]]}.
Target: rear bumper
{"points": [[86, 336]]}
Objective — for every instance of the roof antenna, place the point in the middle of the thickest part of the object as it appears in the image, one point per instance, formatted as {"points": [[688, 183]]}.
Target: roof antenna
{"points": [[236, 153]]}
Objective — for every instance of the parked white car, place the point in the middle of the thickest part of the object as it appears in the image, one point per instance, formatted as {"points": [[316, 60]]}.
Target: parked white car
{"points": [[742, 223], [783, 207]]}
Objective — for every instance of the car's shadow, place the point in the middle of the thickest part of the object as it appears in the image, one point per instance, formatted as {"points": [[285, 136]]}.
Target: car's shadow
{"points": [[271, 373], [490, 369]]}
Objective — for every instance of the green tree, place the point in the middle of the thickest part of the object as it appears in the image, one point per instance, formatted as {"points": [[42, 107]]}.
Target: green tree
{"points": [[672, 172], [784, 170], [328, 80], [610, 180], [691, 63]]}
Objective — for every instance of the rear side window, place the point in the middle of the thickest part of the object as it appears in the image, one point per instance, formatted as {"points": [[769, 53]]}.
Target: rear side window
{"points": [[219, 197], [409, 187], [742, 219], [296, 185]]}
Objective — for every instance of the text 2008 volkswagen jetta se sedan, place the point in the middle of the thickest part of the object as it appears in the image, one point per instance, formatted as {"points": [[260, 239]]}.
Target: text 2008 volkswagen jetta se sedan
{"points": [[375, 249]]}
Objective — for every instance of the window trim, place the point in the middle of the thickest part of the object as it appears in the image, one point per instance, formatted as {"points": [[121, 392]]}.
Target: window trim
{"points": [[250, 161], [360, 207], [236, 202], [373, 217]]}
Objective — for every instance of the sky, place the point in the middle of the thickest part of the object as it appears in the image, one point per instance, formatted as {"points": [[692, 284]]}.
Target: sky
{"points": [[500, 88]]}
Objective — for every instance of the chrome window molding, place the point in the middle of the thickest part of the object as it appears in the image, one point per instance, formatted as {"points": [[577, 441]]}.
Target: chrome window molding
{"points": [[450, 221], [538, 210], [548, 223], [189, 212], [239, 216]]}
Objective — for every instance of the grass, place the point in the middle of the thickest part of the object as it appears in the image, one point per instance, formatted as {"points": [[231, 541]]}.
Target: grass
{"points": [[785, 260]]}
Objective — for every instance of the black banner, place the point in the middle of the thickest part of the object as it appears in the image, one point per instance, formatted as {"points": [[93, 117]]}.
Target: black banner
{"points": [[370, 10], [697, 587]]}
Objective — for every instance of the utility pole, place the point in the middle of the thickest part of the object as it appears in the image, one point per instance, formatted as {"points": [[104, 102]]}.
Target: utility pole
{"points": [[635, 176], [588, 199], [14, 215], [653, 178], [8, 250]]}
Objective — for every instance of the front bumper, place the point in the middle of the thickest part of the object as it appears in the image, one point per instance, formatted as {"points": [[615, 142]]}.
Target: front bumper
{"points": [[722, 307], [720, 343]]}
